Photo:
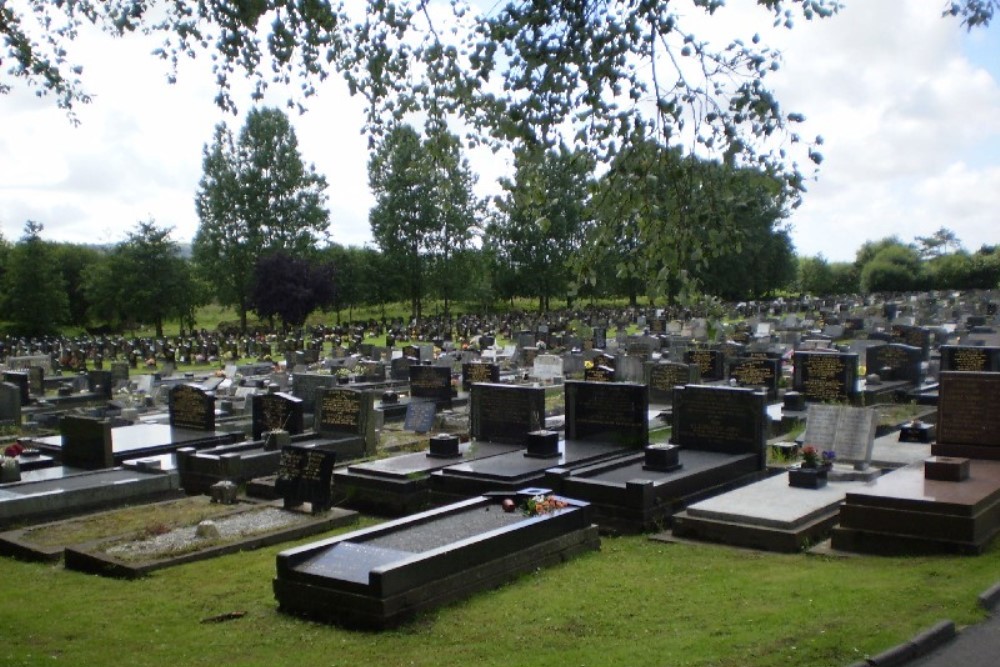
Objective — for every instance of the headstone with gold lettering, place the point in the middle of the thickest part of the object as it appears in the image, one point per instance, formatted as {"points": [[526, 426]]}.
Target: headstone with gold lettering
{"points": [[191, 408], [305, 475], [968, 422], [277, 411], [826, 377], [610, 412], [344, 411]]}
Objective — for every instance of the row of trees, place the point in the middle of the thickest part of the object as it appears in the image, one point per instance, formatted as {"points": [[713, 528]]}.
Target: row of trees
{"points": [[934, 262], [657, 223]]}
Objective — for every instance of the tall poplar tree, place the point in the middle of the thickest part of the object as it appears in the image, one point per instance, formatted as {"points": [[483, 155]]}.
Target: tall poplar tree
{"points": [[256, 195]]}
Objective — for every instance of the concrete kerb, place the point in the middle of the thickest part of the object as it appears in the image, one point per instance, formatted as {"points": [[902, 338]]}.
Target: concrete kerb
{"points": [[990, 598], [929, 640]]}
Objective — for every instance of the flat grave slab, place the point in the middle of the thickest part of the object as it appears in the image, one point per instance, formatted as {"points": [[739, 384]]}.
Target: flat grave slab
{"points": [[515, 470], [140, 440], [382, 576], [41, 495], [768, 515], [628, 497], [905, 512], [400, 484]]}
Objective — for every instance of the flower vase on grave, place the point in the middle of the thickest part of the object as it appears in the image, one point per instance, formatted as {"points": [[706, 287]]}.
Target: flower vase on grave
{"points": [[10, 470], [808, 478]]}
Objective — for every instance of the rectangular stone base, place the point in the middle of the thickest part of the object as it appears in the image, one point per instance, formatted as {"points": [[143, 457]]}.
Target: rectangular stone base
{"points": [[903, 512], [383, 576]]}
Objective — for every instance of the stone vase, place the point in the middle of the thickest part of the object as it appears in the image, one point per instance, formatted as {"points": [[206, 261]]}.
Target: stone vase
{"points": [[10, 472], [808, 478]]}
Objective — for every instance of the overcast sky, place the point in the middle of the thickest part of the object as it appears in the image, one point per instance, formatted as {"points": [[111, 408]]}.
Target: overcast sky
{"points": [[908, 104]]}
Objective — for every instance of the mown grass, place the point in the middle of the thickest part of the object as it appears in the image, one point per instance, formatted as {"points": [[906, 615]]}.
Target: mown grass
{"points": [[636, 602]]}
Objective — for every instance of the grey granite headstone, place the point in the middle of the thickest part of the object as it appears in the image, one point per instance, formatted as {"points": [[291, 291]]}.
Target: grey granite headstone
{"points": [[848, 432]]}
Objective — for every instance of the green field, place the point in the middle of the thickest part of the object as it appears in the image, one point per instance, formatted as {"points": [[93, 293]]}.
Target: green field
{"points": [[636, 602]]}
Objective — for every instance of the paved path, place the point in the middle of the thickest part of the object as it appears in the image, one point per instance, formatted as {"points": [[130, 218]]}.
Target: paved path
{"points": [[976, 646]]}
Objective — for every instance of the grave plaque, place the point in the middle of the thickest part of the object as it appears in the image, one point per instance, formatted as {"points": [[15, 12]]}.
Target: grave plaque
{"points": [[709, 363], [615, 413], [305, 476], [431, 383], [902, 362], [599, 374], [420, 416], [968, 421], [191, 407], [971, 359], [663, 377], [506, 413], [479, 372], [86, 443], [848, 432], [276, 412], [732, 420], [825, 377], [757, 372]]}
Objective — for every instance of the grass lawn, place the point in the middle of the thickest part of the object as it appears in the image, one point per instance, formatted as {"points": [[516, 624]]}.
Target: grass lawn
{"points": [[636, 602]]}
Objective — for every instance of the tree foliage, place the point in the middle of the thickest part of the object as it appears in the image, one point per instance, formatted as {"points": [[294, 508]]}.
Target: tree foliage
{"points": [[291, 287], [424, 208], [256, 195], [34, 294], [143, 280], [542, 220]]}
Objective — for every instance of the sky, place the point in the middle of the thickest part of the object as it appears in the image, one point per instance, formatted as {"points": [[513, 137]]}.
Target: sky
{"points": [[907, 102]]}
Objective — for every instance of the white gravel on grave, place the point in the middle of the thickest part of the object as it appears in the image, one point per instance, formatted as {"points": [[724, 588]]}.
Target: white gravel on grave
{"points": [[244, 524]]}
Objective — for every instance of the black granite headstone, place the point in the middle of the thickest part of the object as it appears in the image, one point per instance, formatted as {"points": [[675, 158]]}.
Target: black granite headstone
{"points": [[895, 362], [479, 372], [86, 443], [709, 363], [345, 411], [969, 358], [191, 407], [505, 413], [431, 383], [732, 420], [661, 378], [825, 376], [757, 372], [305, 475], [277, 411], [608, 412]]}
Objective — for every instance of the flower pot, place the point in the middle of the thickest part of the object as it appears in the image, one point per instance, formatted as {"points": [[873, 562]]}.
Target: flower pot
{"points": [[807, 478], [10, 473]]}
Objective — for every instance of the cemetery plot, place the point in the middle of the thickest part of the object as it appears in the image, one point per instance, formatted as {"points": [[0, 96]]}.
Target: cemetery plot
{"points": [[59, 492], [905, 512], [383, 576], [247, 526], [719, 437], [768, 515], [946, 504]]}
